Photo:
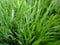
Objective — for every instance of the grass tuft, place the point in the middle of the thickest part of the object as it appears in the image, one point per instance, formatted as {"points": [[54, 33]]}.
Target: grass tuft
{"points": [[29, 22]]}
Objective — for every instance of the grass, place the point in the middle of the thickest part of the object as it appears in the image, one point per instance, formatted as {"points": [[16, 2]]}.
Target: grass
{"points": [[29, 22]]}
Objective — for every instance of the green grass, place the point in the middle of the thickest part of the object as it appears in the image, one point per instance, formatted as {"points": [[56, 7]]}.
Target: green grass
{"points": [[29, 22]]}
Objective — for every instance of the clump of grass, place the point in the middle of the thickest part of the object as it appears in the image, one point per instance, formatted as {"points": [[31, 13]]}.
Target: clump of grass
{"points": [[29, 22]]}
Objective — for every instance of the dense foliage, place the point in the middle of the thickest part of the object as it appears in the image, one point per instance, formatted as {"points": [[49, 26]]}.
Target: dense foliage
{"points": [[29, 22]]}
